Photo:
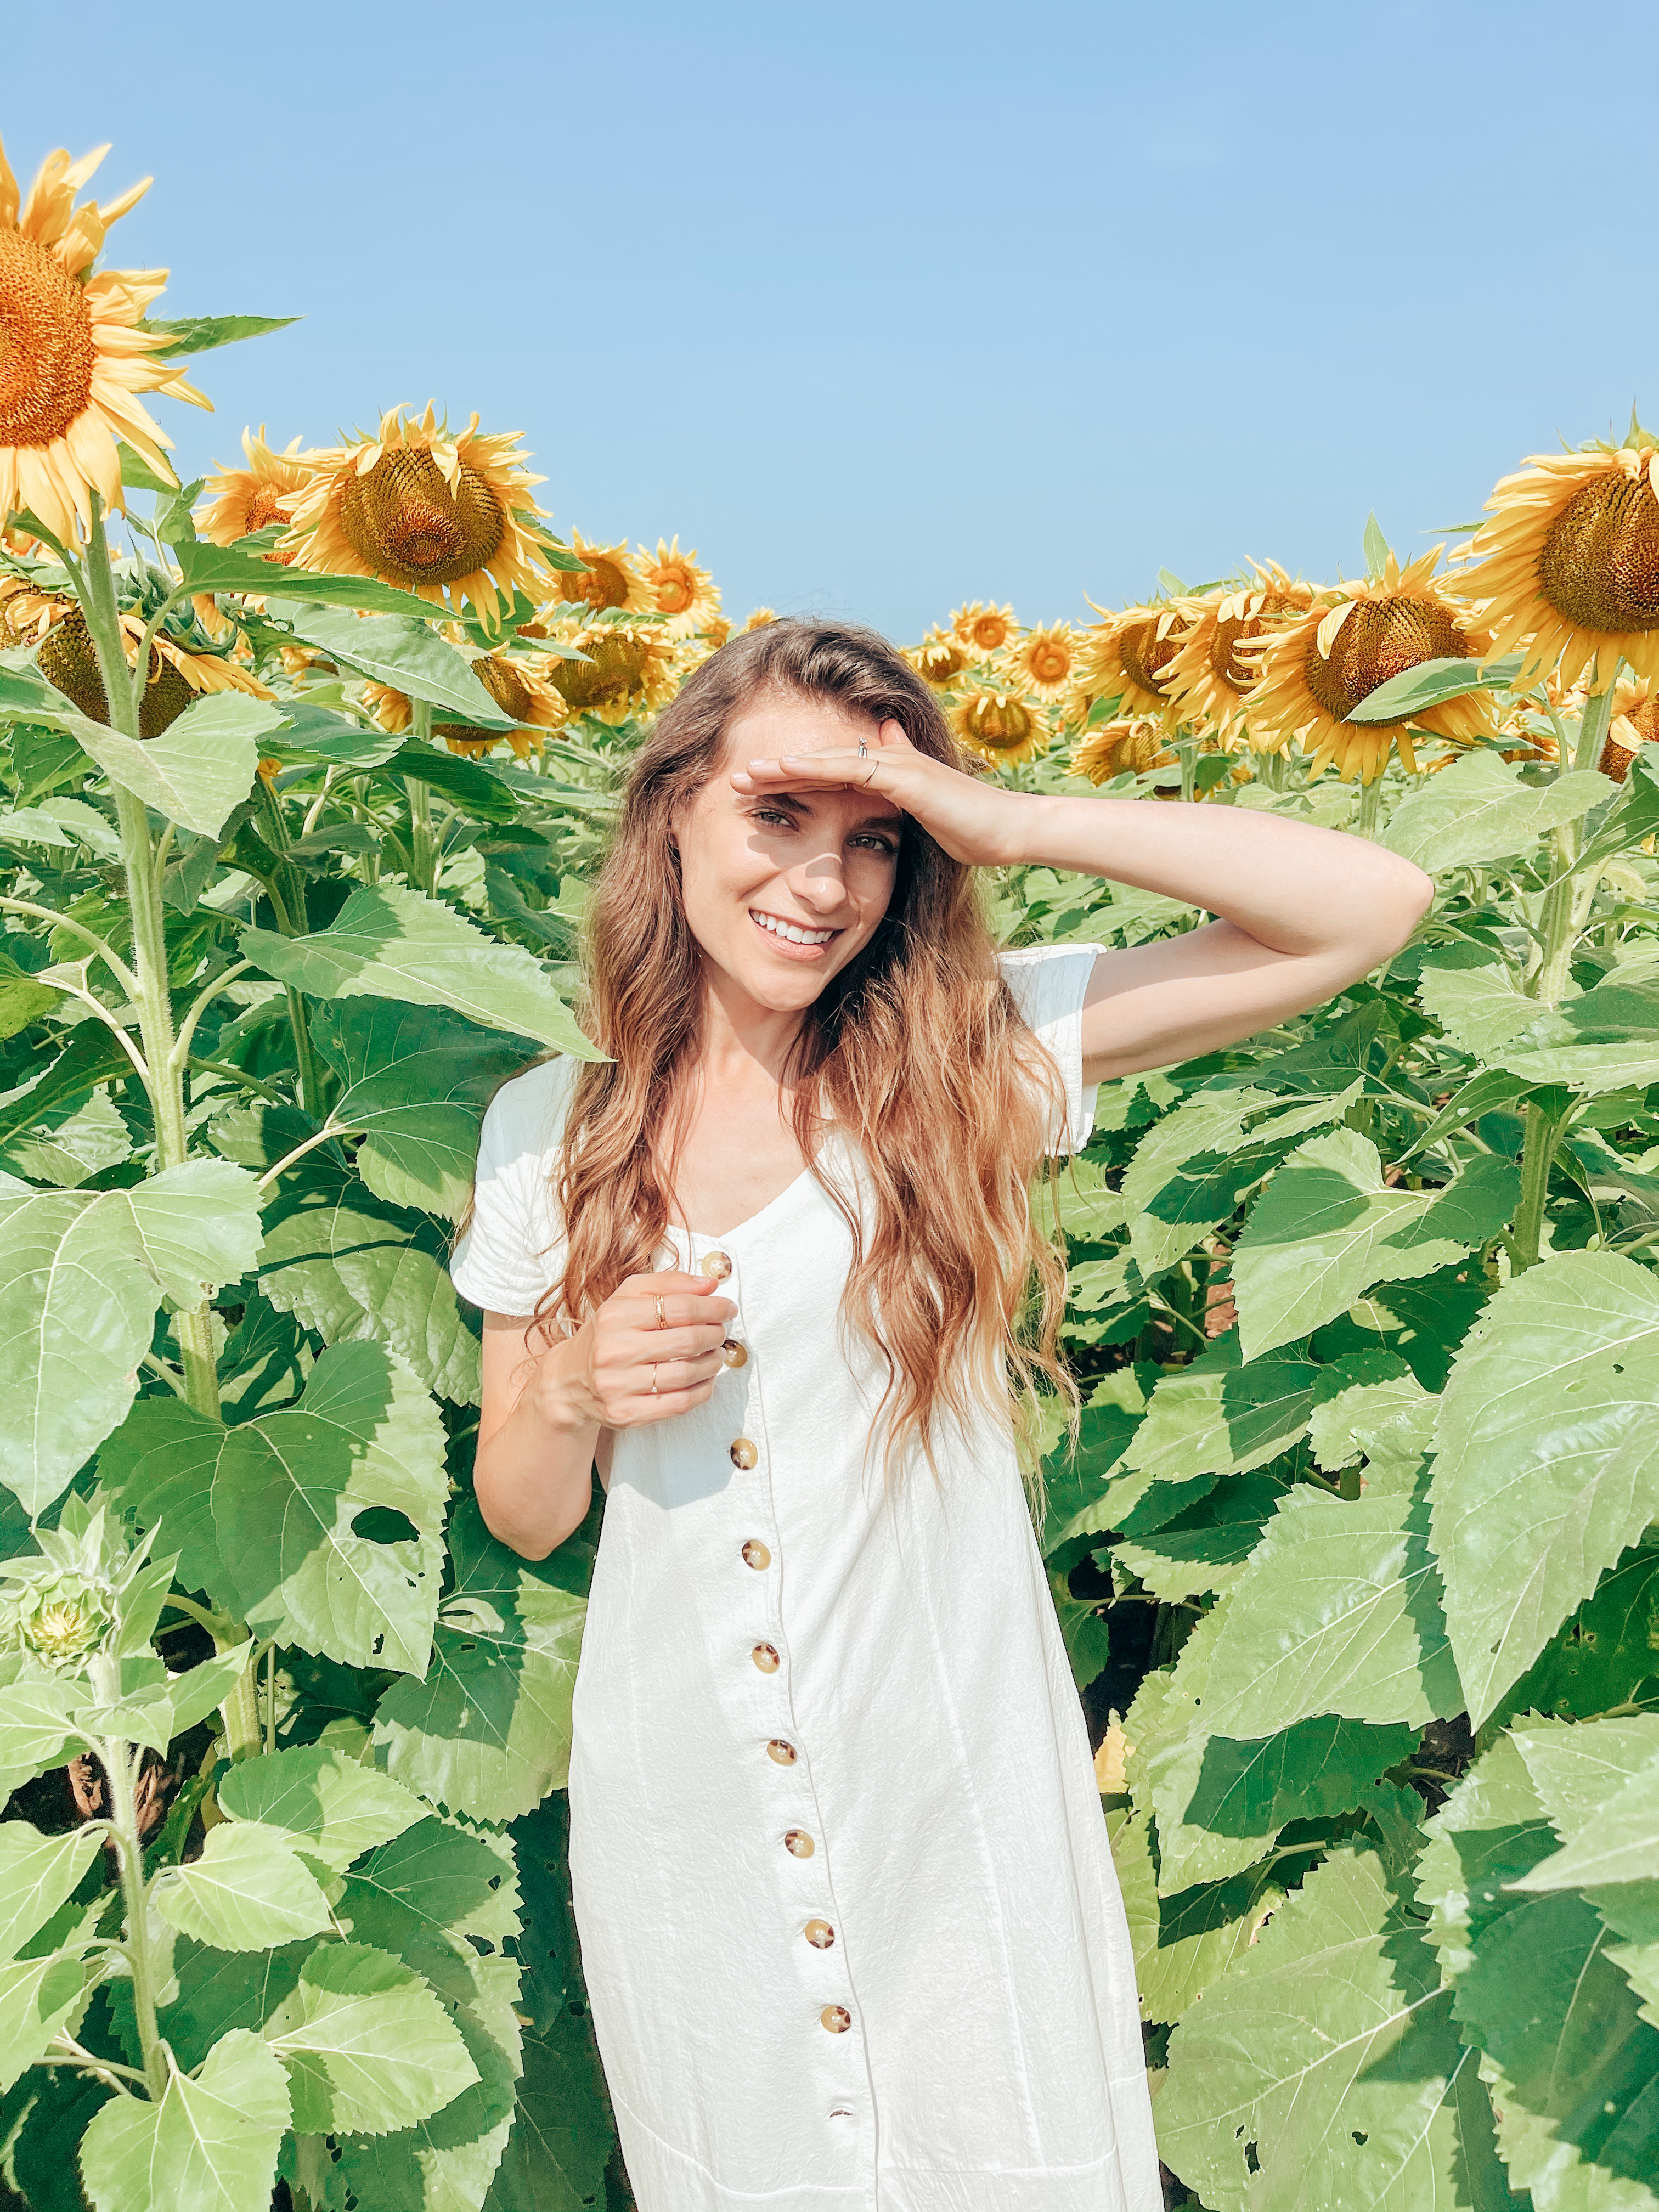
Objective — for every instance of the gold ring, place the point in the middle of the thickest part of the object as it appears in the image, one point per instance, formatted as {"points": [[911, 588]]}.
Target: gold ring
{"points": [[654, 1379], [662, 1319]]}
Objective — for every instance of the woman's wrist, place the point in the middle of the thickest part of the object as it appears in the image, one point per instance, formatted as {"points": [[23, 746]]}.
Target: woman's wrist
{"points": [[558, 1398]]}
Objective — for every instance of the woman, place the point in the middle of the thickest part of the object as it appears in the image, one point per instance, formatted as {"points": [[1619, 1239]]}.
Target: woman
{"points": [[846, 1907]]}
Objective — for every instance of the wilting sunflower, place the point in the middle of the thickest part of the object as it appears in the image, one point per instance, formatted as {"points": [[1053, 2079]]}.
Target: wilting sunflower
{"points": [[609, 579], [1125, 657], [69, 658], [1318, 668], [1207, 677], [1635, 723], [1043, 662], [519, 684], [239, 501], [628, 669], [73, 358], [938, 658], [1125, 748], [999, 725], [984, 630], [1568, 565], [418, 507], [676, 587]]}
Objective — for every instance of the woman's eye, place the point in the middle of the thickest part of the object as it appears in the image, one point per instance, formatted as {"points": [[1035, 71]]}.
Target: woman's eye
{"points": [[772, 814], [876, 844]]}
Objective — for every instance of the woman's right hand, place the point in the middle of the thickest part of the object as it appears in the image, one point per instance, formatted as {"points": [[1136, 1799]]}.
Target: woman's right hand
{"points": [[610, 1363]]}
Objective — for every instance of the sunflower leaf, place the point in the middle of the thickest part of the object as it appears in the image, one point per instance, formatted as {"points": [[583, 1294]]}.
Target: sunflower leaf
{"points": [[1430, 683], [209, 2143], [368, 2046], [202, 333], [1479, 809], [389, 648], [248, 567]]}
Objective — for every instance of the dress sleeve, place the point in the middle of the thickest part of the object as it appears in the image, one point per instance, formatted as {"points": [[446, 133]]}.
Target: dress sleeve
{"points": [[1048, 983], [513, 1248]]}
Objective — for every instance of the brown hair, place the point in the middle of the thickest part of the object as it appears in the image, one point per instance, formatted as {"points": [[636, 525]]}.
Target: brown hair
{"points": [[915, 1048]]}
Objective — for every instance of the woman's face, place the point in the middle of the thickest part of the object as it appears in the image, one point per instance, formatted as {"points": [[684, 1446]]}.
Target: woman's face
{"points": [[781, 891]]}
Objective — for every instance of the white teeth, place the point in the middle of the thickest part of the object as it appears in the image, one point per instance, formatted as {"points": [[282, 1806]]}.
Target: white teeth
{"points": [[789, 931]]}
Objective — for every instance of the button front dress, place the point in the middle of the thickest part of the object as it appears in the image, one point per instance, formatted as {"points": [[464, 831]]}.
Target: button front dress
{"points": [[848, 1919]]}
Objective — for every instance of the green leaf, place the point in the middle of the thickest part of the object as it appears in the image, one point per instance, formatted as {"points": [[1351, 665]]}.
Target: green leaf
{"points": [[1547, 1462], [1190, 1170], [391, 649], [35, 1725], [1079, 1494], [194, 1695], [209, 2145], [289, 1488], [1377, 560], [387, 943], [197, 772], [159, 1467], [37, 1996], [415, 1083], [1608, 1653], [1371, 1404], [308, 732], [350, 1268], [248, 1890], [331, 1805], [1601, 1784], [1218, 1417], [208, 1992], [467, 784], [1573, 2068], [487, 1732], [197, 1226], [1338, 1611], [1430, 683], [1479, 809], [37, 1872], [1204, 1548], [419, 1896], [1184, 1944], [92, 1056], [248, 568], [200, 333], [1474, 998], [1606, 1040], [137, 474], [368, 2046], [1325, 2069], [1326, 1228]]}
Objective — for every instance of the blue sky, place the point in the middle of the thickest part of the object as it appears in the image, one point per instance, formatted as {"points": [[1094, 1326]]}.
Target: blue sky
{"points": [[886, 306]]}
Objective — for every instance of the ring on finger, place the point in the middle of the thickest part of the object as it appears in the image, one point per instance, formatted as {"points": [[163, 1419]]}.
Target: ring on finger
{"points": [[654, 1379], [662, 1318]]}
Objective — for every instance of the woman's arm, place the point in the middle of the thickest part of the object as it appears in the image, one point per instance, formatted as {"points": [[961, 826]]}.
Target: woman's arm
{"points": [[545, 1403], [1302, 911]]}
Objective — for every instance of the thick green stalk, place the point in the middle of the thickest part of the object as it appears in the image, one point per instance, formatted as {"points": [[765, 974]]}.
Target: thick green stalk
{"points": [[120, 1764], [422, 845], [1370, 807], [288, 905]]}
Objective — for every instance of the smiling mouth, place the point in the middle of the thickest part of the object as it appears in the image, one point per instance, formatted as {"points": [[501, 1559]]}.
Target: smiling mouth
{"points": [[791, 932]]}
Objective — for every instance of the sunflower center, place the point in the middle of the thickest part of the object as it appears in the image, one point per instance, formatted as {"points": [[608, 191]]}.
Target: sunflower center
{"points": [[940, 660], [264, 505], [46, 348], [989, 632], [504, 685], [406, 523], [1145, 654], [1050, 662], [1645, 720], [1002, 724], [616, 663], [674, 591], [1380, 639], [605, 583], [69, 658], [1599, 566]]}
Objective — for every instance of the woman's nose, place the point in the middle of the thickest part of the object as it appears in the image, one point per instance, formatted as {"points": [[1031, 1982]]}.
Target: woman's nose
{"points": [[821, 881]]}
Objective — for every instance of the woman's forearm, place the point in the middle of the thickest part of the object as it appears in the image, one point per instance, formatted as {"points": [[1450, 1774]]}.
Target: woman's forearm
{"points": [[533, 1470], [1296, 889]]}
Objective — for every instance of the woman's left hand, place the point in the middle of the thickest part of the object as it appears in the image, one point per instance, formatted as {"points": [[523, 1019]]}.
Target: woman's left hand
{"points": [[972, 821]]}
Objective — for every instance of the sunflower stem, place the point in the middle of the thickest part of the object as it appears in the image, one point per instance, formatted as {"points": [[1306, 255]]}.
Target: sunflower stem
{"points": [[120, 1763], [287, 903], [96, 589], [1371, 808], [1593, 724], [422, 847]]}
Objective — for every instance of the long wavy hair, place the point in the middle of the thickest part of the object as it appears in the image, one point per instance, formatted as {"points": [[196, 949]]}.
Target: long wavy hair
{"points": [[915, 1049]]}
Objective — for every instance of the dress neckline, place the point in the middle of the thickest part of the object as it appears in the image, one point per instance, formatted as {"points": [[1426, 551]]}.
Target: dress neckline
{"points": [[717, 1236]]}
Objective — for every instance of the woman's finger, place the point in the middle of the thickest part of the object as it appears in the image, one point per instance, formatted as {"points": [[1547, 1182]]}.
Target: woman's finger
{"points": [[678, 1311], [662, 1344]]}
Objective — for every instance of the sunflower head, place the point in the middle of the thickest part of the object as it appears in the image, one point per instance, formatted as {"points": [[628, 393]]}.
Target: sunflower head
{"points": [[997, 725], [1127, 657], [759, 618], [984, 630], [1132, 747], [677, 587], [939, 657], [74, 356], [1214, 666], [1568, 565], [1635, 723], [609, 579], [630, 668], [1318, 667], [238, 501], [1044, 661], [176, 676], [433, 513]]}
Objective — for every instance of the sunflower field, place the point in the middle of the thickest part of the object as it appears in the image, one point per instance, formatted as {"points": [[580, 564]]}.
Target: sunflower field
{"points": [[305, 770]]}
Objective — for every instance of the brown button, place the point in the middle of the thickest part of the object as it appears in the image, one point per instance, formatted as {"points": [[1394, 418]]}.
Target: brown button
{"points": [[744, 1453], [800, 1842], [756, 1555], [716, 1264], [820, 1934], [783, 1753], [836, 2018], [765, 1656], [736, 1355]]}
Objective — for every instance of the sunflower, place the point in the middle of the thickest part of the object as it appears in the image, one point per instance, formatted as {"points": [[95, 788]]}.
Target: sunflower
{"points": [[1317, 668], [1125, 748], [627, 669], [518, 683], [677, 588], [69, 658], [609, 580], [1125, 657], [1207, 677], [1635, 724], [1568, 565], [997, 724], [1043, 662], [239, 501], [420, 508], [984, 630], [73, 357], [760, 618], [938, 658]]}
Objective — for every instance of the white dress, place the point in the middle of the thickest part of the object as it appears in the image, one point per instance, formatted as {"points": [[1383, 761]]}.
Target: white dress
{"points": [[849, 1918]]}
